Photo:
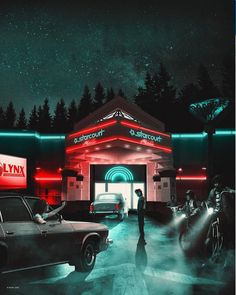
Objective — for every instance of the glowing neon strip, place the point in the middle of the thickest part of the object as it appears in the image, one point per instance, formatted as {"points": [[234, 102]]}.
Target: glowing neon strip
{"points": [[48, 178], [165, 149], [191, 178], [35, 134], [119, 171], [125, 123], [190, 135], [126, 139], [52, 137], [224, 132], [88, 130], [71, 149]]}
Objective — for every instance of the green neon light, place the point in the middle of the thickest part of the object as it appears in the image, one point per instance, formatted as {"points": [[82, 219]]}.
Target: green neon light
{"points": [[119, 171]]}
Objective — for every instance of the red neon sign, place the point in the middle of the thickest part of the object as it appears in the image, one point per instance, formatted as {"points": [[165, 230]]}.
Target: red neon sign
{"points": [[13, 172], [125, 123], [91, 129], [126, 139]]}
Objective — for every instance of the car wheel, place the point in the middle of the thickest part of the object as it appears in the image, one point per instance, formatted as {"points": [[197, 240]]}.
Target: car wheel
{"points": [[121, 216], [87, 257]]}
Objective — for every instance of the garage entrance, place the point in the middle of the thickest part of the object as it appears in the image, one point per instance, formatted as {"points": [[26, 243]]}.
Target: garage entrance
{"points": [[123, 179]]}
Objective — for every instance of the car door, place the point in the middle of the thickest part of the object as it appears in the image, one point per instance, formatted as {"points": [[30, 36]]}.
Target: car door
{"points": [[56, 241], [20, 234]]}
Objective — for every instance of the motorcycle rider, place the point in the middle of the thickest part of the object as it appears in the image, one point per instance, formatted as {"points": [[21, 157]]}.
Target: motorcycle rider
{"points": [[221, 199]]}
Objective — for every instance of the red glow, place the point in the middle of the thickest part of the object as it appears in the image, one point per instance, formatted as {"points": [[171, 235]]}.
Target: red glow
{"points": [[48, 179], [125, 123], [71, 149], [193, 177], [126, 139], [157, 146], [91, 129]]}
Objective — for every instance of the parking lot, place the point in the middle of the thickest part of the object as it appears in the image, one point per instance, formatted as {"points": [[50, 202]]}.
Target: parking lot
{"points": [[129, 266]]}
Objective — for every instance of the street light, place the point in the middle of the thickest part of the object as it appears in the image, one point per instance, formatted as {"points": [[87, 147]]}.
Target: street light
{"points": [[206, 111]]}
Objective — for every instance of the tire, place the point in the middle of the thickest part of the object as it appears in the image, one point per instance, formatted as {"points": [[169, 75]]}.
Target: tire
{"points": [[120, 216], [87, 257]]}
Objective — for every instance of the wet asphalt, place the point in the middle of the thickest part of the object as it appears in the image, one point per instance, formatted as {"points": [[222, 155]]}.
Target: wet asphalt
{"points": [[131, 266]]}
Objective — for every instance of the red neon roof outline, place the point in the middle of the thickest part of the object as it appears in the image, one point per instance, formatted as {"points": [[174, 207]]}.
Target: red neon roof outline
{"points": [[48, 178], [192, 177], [125, 123], [87, 130], [165, 149]]}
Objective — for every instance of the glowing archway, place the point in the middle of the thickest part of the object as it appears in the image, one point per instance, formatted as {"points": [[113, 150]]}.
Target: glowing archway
{"points": [[119, 173]]}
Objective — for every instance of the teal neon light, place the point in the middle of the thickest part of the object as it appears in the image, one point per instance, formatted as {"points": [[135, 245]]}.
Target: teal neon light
{"points": [[202, 135], [31, 134], [119, 172], [190, 135]]}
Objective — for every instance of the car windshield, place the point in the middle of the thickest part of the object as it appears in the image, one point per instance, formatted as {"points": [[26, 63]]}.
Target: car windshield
{"points": [[107, 197]]}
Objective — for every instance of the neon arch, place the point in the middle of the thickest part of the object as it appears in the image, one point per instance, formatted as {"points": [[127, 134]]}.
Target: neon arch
{"points": [[119, 172]]}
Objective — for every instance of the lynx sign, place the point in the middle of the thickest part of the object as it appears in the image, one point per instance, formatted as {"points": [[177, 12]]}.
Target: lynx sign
{"points": [[13, 172]]}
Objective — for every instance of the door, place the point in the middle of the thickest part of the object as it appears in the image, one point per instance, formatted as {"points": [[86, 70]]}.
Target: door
{"points": [[22, 235]]}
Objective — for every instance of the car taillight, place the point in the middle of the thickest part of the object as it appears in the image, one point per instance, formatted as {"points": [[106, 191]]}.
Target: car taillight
{"points": [[117, 206], [91, 208]]}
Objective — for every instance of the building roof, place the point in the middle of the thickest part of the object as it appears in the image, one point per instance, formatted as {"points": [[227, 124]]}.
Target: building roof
{"points": [[125, 106]]}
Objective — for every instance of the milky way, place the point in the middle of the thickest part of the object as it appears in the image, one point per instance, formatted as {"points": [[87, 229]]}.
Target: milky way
{"points": [[54, 50]]}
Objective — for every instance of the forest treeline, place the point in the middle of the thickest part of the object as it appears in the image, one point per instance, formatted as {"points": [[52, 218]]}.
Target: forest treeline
{"points": [[158, 97]]}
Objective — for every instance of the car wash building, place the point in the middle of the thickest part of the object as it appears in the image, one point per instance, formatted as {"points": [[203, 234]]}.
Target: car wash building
{"points": [[119, 148]]}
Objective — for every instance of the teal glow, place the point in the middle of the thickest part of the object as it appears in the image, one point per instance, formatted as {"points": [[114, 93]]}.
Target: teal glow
{"points": [[119, 176], [190, 135], [202, 135], [209, 109], [119, 172], [31, 134], [225, 132], [52, 137], [18, 134]]}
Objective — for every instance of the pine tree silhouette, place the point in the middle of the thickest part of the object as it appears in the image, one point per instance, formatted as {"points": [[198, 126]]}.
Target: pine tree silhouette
{"points": [[33, 119], [2, 118], [10, 116], [21, 122], [60, 118], [85, 105], [72, 115], [99, 96]]}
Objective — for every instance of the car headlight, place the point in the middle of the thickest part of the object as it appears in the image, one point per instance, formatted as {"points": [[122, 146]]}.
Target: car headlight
{"points": [[183, 215], [210, 211]]}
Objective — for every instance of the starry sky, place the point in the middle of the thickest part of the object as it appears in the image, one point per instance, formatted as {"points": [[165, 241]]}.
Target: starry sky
{"points": [[53, 48]]}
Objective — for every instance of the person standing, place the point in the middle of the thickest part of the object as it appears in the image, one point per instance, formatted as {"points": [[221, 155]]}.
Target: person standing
{"points": [[141, 211]]}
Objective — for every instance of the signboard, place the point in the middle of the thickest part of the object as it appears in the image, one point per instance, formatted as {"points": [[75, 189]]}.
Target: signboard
{"points": [[13, 172], [119, 130]]}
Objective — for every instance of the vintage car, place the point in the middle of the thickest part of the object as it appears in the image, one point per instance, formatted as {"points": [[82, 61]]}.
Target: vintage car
{"points": [[26, 244], [109, 203]]}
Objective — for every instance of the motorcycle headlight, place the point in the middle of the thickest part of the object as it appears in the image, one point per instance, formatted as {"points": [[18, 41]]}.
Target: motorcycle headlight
{"points": [[183, 215], [210, 211]]}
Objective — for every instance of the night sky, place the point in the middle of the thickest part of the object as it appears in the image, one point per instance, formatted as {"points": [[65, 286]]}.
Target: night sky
{"points": [[53, 48]]}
